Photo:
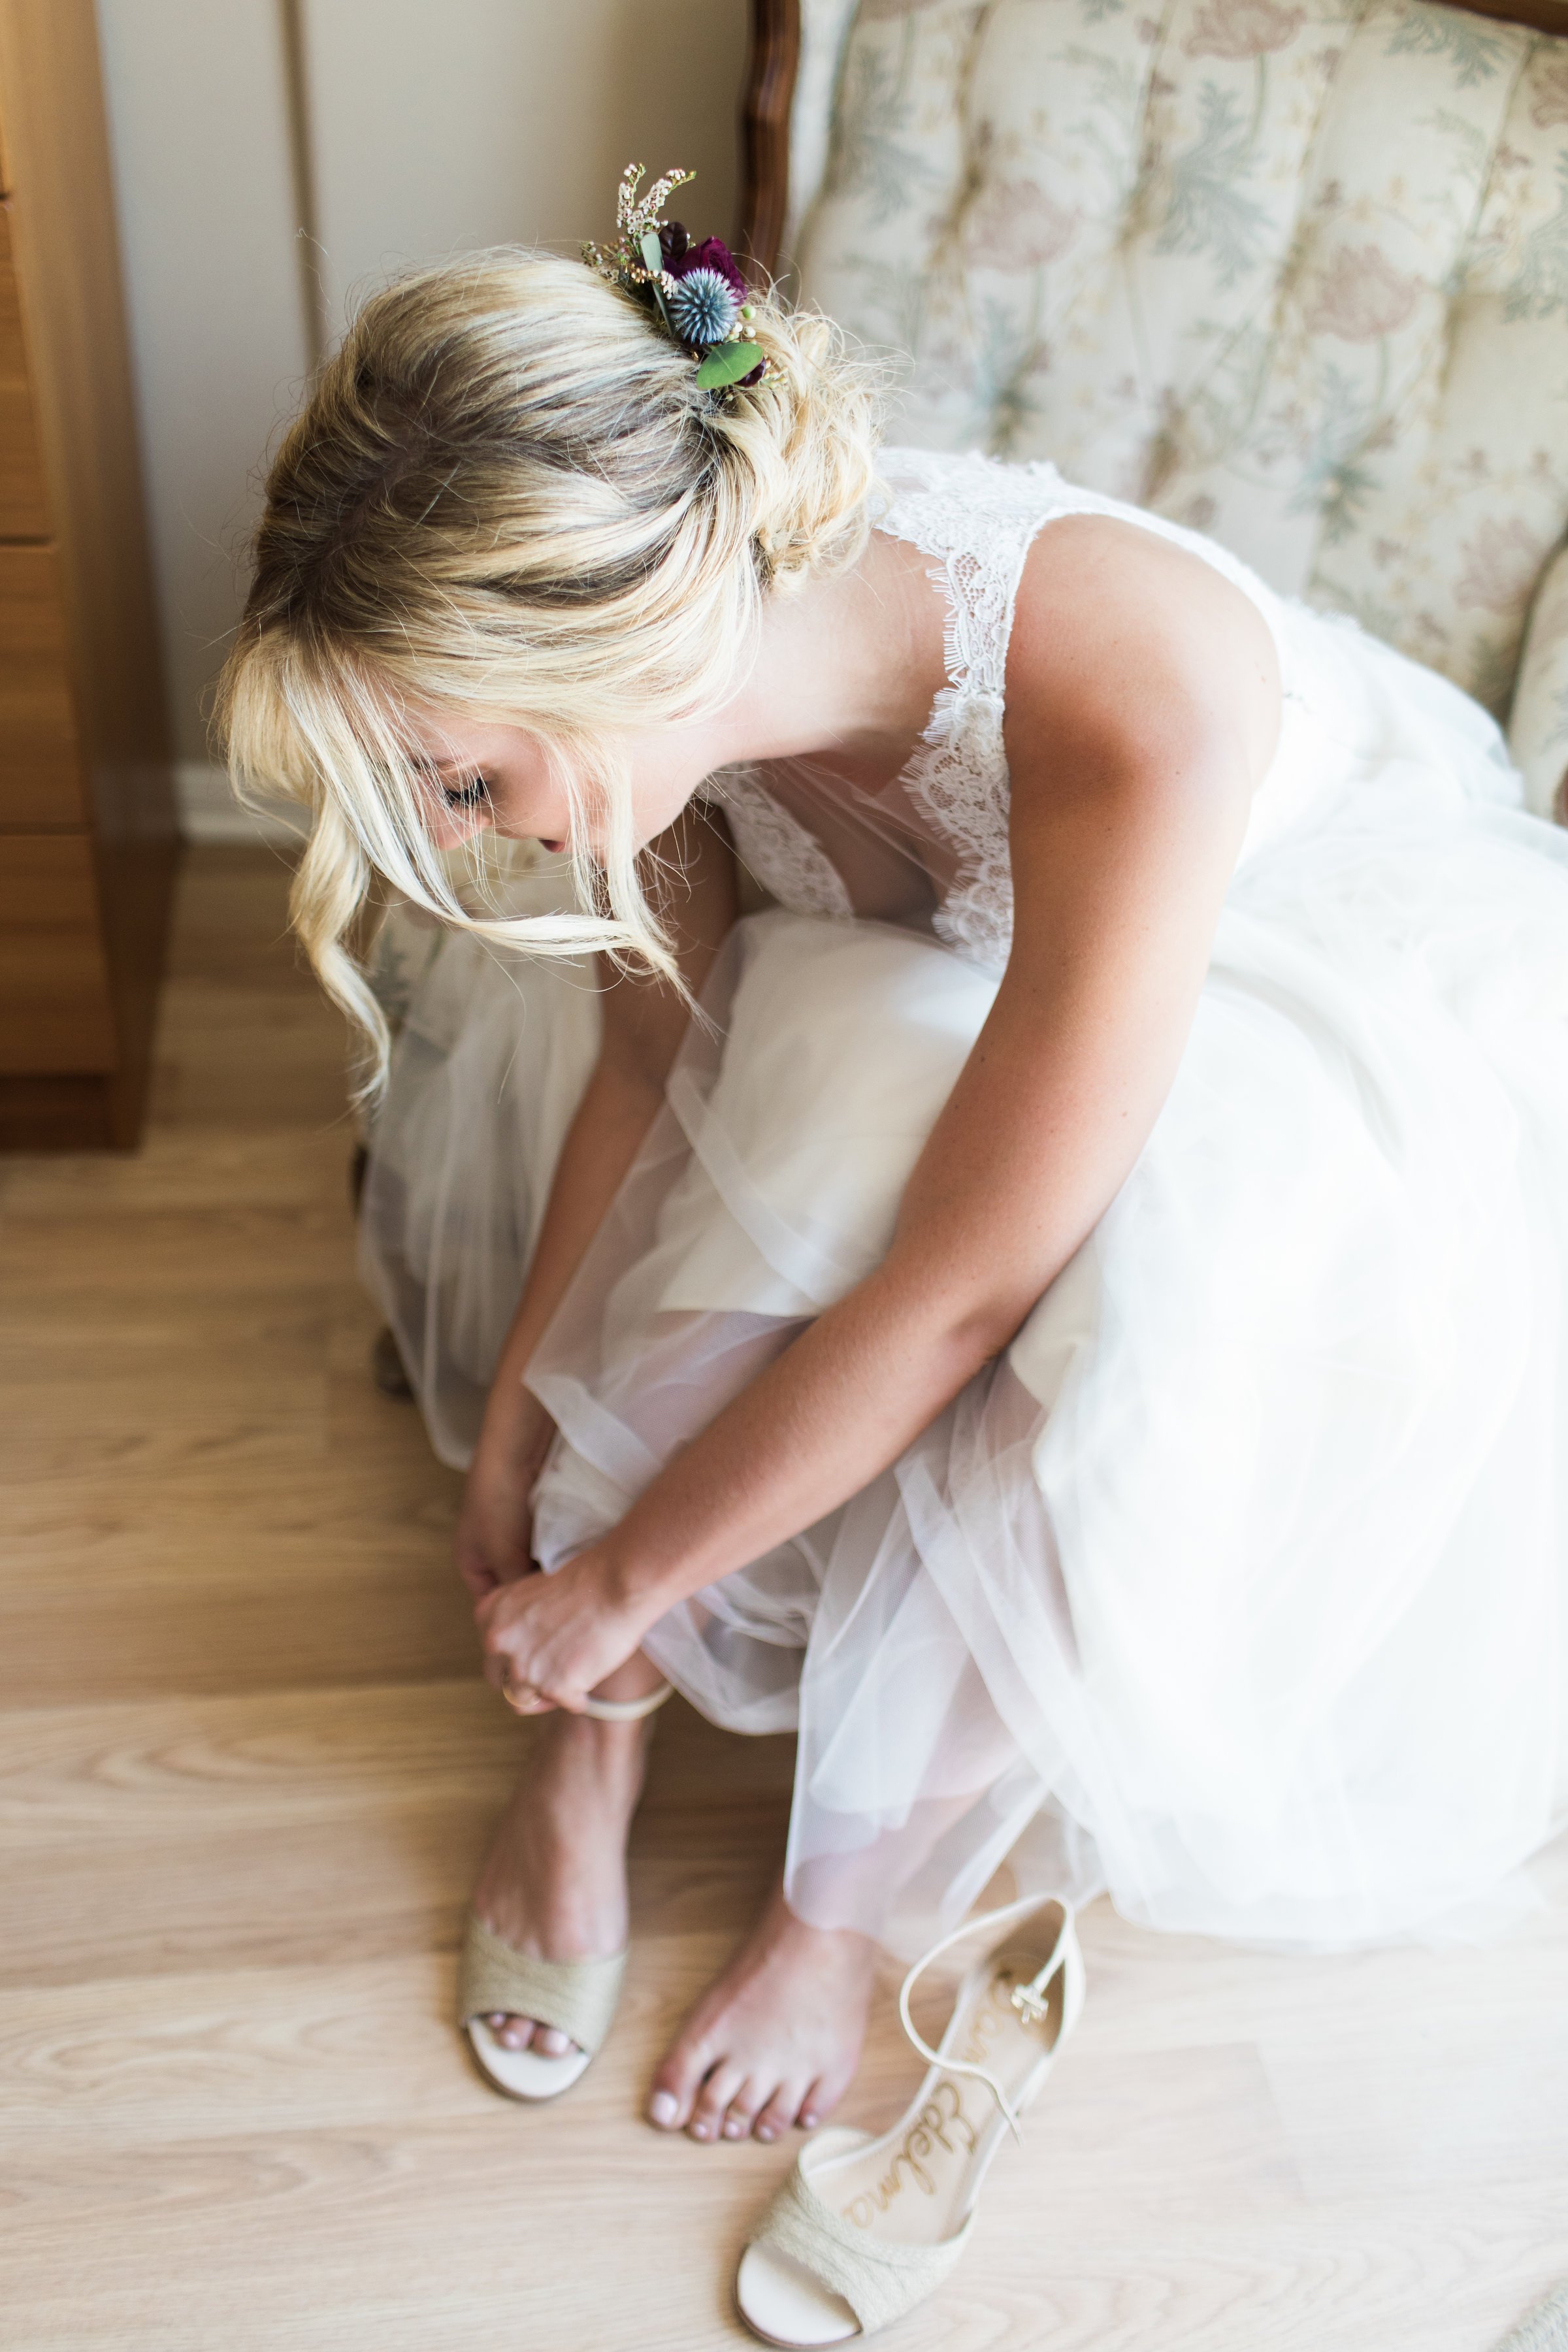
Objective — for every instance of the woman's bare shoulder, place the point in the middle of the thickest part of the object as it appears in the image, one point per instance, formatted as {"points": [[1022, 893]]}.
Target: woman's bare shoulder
{"points": [[1130, 644]]}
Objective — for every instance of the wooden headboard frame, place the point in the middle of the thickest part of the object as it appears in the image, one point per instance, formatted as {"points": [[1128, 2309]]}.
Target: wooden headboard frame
{"points": [[770, 88]]}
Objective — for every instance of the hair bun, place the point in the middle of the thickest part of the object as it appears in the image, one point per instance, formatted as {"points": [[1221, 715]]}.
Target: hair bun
{"points": [[804, 440]]}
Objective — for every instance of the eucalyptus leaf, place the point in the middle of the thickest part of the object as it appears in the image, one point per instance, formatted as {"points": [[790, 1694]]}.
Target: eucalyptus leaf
{"points": [[652, 251], [726, 364]]}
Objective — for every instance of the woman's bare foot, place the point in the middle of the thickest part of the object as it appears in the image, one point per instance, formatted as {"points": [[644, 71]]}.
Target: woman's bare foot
{"points": [[775, 2039], [555, 1882]]}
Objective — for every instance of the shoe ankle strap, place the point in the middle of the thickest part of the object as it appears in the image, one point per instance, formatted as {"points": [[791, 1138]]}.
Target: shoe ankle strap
{"points": [[627, 1710], [1030, 2000]]}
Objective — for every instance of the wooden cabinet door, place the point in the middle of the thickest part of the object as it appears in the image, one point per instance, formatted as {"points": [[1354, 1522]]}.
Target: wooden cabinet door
{"points": [[54, 988], [40, 771], [23, 509]]}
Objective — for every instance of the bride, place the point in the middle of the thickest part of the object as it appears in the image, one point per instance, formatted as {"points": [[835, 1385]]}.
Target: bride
{"points": [[1071, 1324]]}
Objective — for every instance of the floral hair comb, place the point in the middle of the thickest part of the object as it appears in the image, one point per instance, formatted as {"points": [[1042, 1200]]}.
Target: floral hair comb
{"points": [[696, 287]]}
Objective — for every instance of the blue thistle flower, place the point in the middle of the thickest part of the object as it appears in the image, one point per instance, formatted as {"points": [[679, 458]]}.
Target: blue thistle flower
{"points": [[702, 308]]}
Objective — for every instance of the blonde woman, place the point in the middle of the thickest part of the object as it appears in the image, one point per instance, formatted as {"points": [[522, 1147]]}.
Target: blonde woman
{"points": [[1073, 1325]]}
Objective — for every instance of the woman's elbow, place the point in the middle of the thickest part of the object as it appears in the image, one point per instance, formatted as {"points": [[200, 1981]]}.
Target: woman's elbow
{"points": [[966, 1323]]}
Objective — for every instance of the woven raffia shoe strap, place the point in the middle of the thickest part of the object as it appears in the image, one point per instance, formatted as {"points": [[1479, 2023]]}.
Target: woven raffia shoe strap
{"points": [[577, 1997], [878, 2279]]}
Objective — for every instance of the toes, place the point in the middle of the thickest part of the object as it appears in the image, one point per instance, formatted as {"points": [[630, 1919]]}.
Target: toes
{"points": [[820, 2100], [780, 2112], [741, 2113], [525, 2034], [713, 2100], [676, 2083]]}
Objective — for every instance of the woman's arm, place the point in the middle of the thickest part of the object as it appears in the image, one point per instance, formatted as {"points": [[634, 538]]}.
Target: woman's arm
{"points": [[1142, 708], [644, 1022]]}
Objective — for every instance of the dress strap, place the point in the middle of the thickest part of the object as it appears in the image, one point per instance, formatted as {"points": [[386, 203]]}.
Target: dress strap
{"points": [[977, 519]]}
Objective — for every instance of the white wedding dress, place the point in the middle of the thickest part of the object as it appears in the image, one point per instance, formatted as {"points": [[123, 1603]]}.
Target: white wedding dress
{"points": [[1239, 1584]]}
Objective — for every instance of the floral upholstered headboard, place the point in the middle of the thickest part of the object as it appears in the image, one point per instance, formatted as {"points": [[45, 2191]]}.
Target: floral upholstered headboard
{"points": [[1295, 271]]}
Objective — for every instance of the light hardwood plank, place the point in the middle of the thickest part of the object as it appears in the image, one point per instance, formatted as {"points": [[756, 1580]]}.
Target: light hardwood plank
{"points": [[210, 1171]]}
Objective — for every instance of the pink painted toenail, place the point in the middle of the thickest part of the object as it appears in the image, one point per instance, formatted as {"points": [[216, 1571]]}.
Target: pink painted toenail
{"points": [[664, 2107], [809, 2122], [733, 2130]]}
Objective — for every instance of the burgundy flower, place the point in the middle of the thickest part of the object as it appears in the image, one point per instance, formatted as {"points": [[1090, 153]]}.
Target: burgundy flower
{"points": [[680, 255]]}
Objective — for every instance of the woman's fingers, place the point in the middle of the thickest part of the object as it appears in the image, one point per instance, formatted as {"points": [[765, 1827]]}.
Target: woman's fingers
{"points": [[526, 1693], [514, 1570], [524, 1699], [549, 1640], [504, 1674]]}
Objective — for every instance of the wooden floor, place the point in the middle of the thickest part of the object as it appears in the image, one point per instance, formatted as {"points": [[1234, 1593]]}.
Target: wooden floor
{"points": [[246, 1774]]}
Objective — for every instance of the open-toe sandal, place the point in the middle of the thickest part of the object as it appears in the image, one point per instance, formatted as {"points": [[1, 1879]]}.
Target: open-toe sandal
{"points": [[865, 2229], [577, 1997]]}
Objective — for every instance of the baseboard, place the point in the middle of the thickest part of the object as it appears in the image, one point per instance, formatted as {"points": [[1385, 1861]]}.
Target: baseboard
{"points": [[209, 811]]}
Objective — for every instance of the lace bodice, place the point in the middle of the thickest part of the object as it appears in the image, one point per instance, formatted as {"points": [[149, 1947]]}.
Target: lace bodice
{"points": [[789, 862], [975, 517]]}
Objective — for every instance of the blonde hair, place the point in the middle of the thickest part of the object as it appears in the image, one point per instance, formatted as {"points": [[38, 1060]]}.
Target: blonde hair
{"points": [[506, 496]]}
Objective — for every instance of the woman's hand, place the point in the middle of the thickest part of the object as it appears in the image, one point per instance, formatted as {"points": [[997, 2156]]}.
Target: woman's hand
{"points": [[493, 1545], [551, 1640]]}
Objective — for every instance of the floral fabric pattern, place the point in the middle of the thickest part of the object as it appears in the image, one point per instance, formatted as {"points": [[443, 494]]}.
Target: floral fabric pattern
{"points": [[1294, 272]]}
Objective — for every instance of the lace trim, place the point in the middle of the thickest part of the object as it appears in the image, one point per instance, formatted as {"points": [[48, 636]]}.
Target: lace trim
{"points": [[789, 862], [977, 520]]}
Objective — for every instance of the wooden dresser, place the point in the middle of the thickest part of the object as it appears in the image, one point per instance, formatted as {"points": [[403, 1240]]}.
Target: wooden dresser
{"points": [[87, 840]]}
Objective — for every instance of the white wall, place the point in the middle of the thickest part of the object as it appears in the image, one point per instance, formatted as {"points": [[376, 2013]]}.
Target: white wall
{"points": [[471, 122], [206, 216], [431, 126]]}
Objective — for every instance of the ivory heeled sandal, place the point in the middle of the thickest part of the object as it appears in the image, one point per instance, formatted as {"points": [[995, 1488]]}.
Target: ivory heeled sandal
{"points": [[865, 2229], [576, 1997]]}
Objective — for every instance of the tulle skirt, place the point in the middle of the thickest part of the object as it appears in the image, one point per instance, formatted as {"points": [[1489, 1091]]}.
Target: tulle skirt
{"points": [[1237, 1585]]}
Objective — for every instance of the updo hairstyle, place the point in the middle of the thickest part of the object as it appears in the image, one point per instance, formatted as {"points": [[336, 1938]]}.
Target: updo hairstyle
{"points": [[507, 498]]}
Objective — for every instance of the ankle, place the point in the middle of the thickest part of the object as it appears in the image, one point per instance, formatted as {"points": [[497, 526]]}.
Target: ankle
{"points": [[780, 1919], [637, 1678], [612, 1755]]}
